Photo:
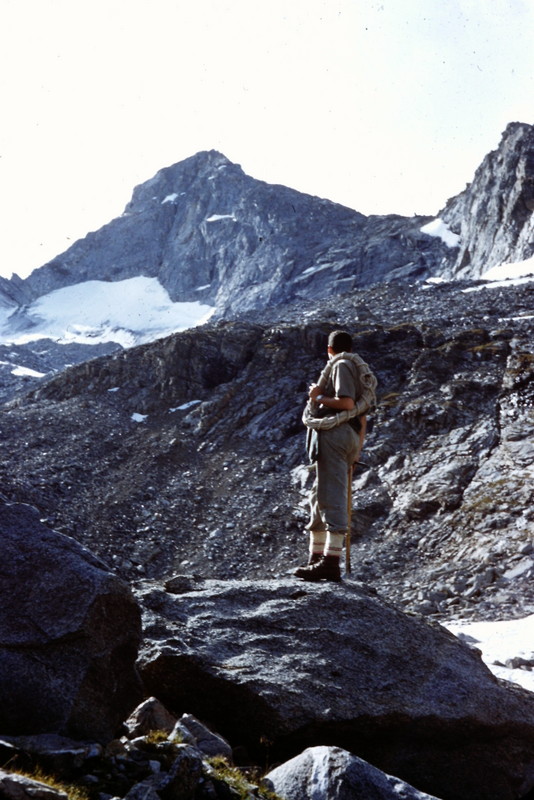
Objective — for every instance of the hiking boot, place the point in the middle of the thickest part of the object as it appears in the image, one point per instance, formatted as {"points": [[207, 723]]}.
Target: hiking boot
{"points": [[313, 558], [326, 569]]}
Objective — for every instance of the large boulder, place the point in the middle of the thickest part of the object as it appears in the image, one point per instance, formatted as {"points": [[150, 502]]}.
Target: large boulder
{"points": [[277, 666], [330, 773], [69, 634]]}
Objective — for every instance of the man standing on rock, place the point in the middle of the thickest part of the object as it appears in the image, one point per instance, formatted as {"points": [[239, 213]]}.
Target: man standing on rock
{"points": [[334, 416]]}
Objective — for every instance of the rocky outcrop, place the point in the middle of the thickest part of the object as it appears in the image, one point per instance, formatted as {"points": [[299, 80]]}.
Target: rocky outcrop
{"points": [[282, 665], [189, 762], [69, 632], [150, 715], [330, 773], [494, 215], [23, 366], [12, 293]]}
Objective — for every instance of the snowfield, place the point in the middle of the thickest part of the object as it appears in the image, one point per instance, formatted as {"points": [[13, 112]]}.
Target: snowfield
{"points": [[128, 312], [507, 275], [507, 647]]}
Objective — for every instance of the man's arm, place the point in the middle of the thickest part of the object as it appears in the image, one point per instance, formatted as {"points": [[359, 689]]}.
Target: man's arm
{"points": [[337, 403]]}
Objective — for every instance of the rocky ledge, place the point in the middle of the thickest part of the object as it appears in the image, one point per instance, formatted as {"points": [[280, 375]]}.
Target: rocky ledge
{"points": [[253, 672], [276, 666]]}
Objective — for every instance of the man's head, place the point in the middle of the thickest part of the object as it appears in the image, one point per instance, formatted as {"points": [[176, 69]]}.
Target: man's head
{"points": [[339, 342]]}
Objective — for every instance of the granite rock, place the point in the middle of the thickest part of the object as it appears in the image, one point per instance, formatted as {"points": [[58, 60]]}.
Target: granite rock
{"points": [[69, 633]]}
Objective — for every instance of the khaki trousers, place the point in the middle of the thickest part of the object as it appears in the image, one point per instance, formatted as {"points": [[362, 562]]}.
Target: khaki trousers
{"points": [[338, 449]]}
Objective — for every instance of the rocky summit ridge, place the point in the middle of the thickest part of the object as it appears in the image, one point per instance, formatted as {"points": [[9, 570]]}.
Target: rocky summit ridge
{"points": [[493, 215], [212, 234]]}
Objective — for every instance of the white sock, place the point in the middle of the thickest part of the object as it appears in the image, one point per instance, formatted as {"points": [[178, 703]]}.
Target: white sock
{"points": [[317, 541], [334, 544]]}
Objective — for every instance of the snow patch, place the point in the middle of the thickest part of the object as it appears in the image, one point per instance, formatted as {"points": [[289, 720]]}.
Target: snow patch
{"points": [[216, 217], [520, 318], [26, 372], [513, 274], [313, 271], [502, 642], [138, 417], [185, 406], [128, 312], [518, 269], [170, 198], [439, 229], [85, 334]]}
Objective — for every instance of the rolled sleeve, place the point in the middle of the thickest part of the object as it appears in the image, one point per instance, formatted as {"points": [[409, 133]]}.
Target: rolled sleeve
{"points": [[343, 380]]}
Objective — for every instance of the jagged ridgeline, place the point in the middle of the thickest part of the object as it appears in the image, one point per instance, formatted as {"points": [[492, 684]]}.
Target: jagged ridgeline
{"points": [[209, 232], [226, 244]]}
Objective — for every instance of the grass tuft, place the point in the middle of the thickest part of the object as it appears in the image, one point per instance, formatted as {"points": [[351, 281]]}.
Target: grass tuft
{"points": [[72, 791]]}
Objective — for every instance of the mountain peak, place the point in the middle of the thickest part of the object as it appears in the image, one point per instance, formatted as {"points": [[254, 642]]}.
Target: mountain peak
{"points": [[178, 178], [202, 161], [211, 235]]}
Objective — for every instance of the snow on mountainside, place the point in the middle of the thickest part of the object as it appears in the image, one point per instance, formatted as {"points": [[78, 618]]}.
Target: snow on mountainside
{"points": [[519, 272], [438, 228], [76, 323], [127, 312], [210, 233], [139, 310]]}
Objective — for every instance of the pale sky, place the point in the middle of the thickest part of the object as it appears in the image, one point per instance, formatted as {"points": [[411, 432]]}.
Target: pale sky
{"points": [[386, 107]]}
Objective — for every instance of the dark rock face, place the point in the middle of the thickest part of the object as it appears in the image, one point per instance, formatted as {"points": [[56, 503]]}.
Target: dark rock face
{"points": [[12, 292], [298, 665], [209, 232], [69, 632], [494, 215]]}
